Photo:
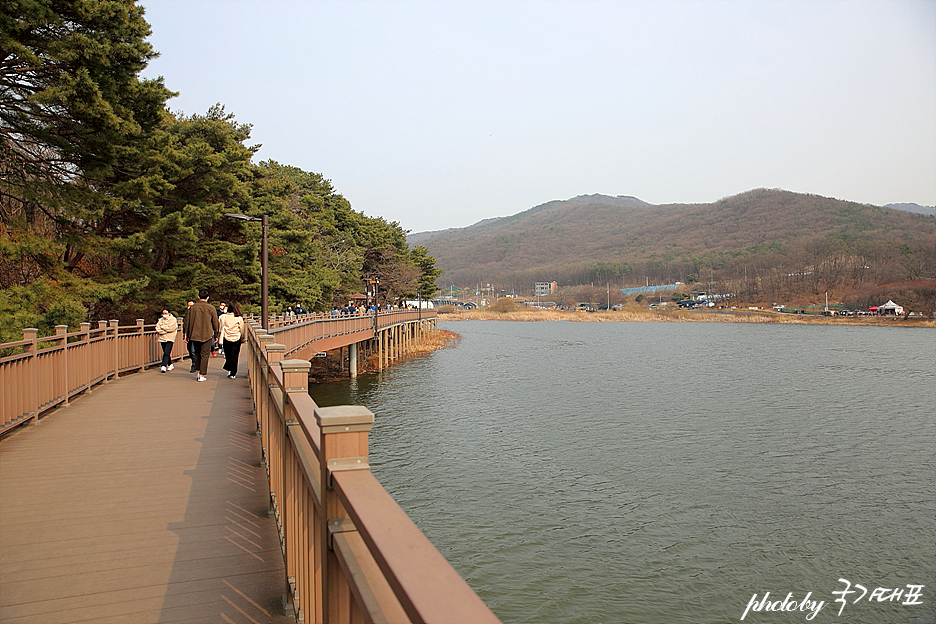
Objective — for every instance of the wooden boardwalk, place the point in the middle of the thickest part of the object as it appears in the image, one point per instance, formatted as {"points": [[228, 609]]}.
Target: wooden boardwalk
{"points": [[143, 502]]}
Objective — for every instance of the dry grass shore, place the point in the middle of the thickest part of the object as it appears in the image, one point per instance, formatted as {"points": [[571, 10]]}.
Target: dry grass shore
{"points": [[685, 316], [433, 341]]}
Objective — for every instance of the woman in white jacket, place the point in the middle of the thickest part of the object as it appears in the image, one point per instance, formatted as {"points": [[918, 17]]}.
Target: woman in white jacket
{"points": [[166, 329], [232, 334]]}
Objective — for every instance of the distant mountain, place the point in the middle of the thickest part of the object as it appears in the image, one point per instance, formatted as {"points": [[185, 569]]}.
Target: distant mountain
{"points": [[930, 210], [620, 200], [496, 223], [591, 237]]}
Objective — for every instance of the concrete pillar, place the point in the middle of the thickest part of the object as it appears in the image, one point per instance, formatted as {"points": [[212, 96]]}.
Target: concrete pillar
{"points": [[352, 360], [380, 350]]}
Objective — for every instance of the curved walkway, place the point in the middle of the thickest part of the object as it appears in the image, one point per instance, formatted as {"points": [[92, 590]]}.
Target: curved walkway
{"points": [[144, 503]]}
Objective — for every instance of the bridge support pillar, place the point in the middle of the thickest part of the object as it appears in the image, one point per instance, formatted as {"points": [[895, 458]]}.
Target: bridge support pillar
{"points": [[381, 346], [352, 360]]}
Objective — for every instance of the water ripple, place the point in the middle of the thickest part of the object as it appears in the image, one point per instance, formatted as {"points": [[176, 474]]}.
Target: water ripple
{"points": [[578, 473]]}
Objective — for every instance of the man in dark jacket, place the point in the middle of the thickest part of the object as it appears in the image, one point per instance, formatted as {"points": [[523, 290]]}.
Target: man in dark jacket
{"points": [[201, 326]]}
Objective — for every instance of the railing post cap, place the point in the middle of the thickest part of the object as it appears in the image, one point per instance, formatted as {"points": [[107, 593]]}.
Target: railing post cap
{"points": [[275, 347], [57, 327], [343, 416], [31, 330], [141, 321], [86, 325], [264, 337], [295, 366]]}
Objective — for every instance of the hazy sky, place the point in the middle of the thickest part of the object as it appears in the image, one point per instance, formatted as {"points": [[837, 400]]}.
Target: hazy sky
{"points": [[441, 113]]}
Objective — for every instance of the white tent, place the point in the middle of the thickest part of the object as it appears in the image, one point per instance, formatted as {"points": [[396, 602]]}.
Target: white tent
{"points": [[890, 308]]}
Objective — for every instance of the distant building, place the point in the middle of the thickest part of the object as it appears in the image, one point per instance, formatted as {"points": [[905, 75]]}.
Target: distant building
{"points": [[545, 289]]}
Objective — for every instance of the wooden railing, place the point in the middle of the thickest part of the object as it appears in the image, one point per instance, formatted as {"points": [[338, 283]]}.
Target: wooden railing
{"points": [[298, 332], [38, 374], [384, 317], [352, 554]]}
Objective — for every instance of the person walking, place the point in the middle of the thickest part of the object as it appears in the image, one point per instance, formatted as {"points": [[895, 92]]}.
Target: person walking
{"points": [[232, 336], [190, 346], [201, 326], [166, 329], [216, 345]]}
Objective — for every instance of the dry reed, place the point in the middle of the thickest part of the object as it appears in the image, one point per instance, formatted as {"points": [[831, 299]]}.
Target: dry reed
{"points": [[684, 316]]}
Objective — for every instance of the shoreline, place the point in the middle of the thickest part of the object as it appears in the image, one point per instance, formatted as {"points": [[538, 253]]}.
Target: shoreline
{"points": [[640, 315]]}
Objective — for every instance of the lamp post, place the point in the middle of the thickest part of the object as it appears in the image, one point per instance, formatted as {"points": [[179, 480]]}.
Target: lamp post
{"points": [[264, 283]]}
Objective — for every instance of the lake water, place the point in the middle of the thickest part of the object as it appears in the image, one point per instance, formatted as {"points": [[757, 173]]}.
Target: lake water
{"points": [[589, 473]]}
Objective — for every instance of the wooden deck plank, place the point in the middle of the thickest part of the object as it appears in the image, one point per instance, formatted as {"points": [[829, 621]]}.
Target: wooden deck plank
{"points": [[142, 501]]}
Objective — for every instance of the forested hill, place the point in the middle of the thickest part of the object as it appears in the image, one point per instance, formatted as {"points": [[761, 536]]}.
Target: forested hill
{"points": [[115, 207], [501, 224], [596, 238]]}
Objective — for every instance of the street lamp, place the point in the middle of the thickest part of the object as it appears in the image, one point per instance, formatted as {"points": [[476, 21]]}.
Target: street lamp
{"points": [[264, 283]]}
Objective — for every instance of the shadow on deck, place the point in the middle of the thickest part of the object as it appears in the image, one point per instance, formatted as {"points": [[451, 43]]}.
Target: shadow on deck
{"points": [[143, 502]]}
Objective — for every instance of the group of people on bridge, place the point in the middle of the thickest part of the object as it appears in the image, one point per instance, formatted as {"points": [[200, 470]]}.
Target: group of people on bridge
{"points": [[205, 329]]}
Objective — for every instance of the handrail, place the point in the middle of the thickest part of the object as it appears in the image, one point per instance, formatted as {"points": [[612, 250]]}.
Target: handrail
{"points": [[385, 317], [297, 333], [42, 373], [351, 552]]}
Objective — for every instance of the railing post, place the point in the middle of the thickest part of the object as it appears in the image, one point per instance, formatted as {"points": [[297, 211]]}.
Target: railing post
{"points": [[271, 431], [295, 373], [32, 386], [263, 339], [141, 344], [272, 354], [344, 430], [99, 357], [253, 363], [274, 351], [61, 330], [115, 352], [253, 354], [88, 358], [295, 381]]}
